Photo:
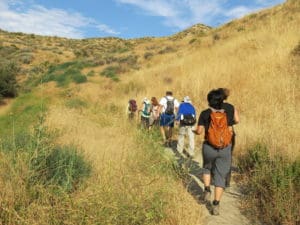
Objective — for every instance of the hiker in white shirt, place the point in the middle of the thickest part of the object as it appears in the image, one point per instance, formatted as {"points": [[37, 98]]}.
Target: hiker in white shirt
{"points": [[168, 108]]}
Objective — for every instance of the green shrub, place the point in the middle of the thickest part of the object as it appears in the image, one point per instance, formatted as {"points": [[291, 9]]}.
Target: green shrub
{"points": [[60, 166], [78, 78], [26, 59], [272, 185], [192, 41], [91, 73], [49, 165], [148, 55], [167, 49], [6, 51], [67, 72], [111, 72], [8, 82], [130, 60]]}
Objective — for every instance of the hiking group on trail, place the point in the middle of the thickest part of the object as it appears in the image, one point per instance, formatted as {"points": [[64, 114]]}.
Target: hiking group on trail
{"points": [[215, 123]]}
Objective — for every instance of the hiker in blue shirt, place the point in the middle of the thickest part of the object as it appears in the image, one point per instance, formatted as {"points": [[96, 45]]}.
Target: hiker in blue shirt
{"points": [[186, 117]]}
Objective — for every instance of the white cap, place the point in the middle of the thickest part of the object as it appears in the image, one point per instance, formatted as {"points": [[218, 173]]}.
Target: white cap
{"points": [[187, 99], [146, 100]]}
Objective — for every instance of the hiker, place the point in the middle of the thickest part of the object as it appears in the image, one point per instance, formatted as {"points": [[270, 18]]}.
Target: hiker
{"points": [[215, 123], [168, 108], [154, 117], [186, 117], [145, 113], [131, 109], [234, 120]]}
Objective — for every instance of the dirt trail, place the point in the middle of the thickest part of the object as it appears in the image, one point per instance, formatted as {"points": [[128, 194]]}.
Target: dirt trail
{"points": [[230, 213]]}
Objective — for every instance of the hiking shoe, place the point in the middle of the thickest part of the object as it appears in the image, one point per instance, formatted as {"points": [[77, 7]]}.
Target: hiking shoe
{"points": [[206, 196], [216, 210]]}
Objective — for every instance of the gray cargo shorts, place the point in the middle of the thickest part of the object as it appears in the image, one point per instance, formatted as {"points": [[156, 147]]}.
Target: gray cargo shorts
{"points": [[216, 162]]}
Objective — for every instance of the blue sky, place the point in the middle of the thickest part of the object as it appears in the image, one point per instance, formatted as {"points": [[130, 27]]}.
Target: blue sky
{"points": [[120, 18]]}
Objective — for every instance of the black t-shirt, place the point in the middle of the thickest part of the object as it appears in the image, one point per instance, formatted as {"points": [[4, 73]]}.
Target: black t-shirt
{"points": [[204, 118], [229, 109]]}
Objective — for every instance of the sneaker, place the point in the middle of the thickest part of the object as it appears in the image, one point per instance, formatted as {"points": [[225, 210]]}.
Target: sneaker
{"points": [[206, 196], [216, 210]]}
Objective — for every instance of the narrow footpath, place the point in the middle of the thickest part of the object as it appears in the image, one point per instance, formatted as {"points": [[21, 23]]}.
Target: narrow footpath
{"points": [[230, 213]]}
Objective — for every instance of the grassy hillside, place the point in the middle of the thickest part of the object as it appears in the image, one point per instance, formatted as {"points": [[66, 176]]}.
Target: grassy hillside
{"points": [[81, 88]]}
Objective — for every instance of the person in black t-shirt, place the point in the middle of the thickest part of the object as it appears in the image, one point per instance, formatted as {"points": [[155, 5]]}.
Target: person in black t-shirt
{"points": [[234, 120], [216, 162]]}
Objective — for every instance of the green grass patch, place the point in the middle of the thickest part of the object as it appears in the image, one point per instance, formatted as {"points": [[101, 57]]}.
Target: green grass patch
{"points": [[67, 72], [24, 112]]}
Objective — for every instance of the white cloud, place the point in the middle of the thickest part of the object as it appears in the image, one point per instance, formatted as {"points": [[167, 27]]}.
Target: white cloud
{"points": [[239, 11], [40, 20], [106, 29], [155, 7], [183, 13]]}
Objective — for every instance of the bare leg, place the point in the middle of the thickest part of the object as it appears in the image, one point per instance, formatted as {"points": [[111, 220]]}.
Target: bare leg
{"points": [[170, 134], [162, 131], [218, 193], [206, 179]]}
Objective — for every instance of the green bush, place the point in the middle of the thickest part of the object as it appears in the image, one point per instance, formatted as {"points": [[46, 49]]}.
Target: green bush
{"points": [[273, 185], [130, 60], [49, 165], [8, 82], [91, 73], [78, 78], [61, 166], [192, 41], [111, 72], [67, 72], [148, 55]]}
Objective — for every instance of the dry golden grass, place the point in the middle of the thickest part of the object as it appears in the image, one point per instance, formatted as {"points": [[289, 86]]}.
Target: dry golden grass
{"points": [[255, 63], [257, 67], [111, 145]]}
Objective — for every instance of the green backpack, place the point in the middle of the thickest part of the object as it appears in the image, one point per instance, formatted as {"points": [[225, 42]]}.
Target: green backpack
{"points": [[146, 110]]}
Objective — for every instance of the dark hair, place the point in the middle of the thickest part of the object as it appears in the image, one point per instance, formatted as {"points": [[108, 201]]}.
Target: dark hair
{"points": [[225, 92], [154, 101], [169, 93], [215, 99]]}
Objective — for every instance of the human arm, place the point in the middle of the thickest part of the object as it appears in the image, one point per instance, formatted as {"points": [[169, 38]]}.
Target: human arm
{"points": [[199, 130], [162, 102], [236, 116]]}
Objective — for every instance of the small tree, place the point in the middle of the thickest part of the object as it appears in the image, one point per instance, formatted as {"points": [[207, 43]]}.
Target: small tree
{"points": [[8, 82]]}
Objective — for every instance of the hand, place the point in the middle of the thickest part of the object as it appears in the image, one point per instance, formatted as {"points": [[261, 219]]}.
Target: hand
{"points": [[195, 132]]}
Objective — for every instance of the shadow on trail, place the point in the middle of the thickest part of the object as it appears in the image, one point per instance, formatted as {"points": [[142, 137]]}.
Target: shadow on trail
{"points": [[190, 172]]}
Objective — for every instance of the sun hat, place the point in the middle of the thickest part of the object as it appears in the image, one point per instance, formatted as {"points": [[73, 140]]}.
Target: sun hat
{"points": [[187, 99]]}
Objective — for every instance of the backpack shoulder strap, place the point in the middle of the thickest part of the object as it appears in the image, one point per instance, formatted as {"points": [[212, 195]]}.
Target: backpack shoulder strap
{"points": [[217, 110]]}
